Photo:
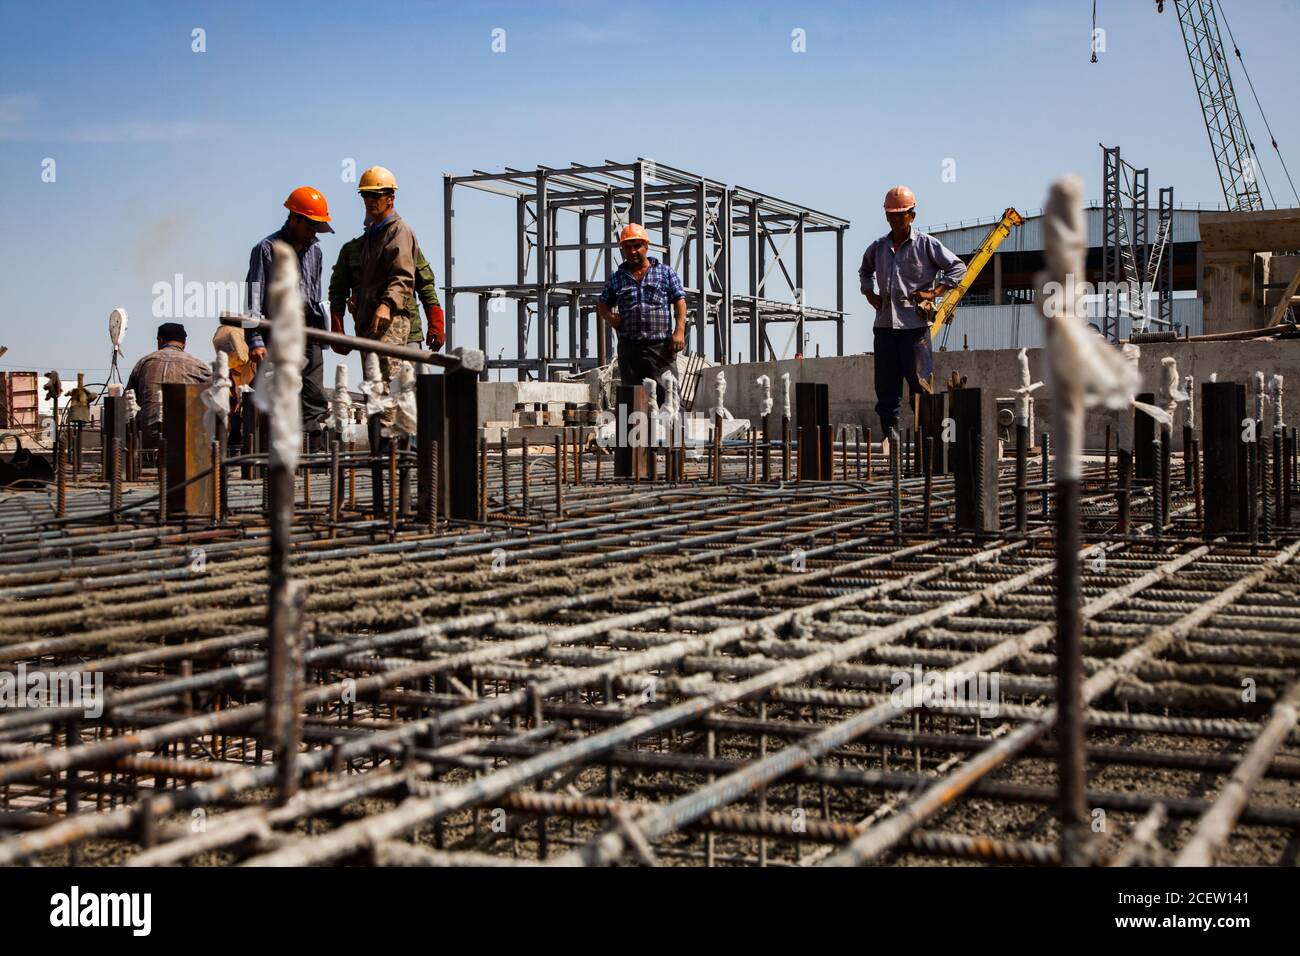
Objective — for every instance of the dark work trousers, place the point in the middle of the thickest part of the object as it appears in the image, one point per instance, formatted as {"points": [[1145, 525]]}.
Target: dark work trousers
{"points": [[901, 355], [638, 360], [314, 405]]}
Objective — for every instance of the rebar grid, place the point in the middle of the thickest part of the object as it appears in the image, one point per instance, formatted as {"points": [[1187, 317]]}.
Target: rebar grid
{"points": [[674, 673]]}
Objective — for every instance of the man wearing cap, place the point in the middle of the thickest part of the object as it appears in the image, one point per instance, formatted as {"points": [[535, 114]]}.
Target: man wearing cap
{"points": [[385, 284], [909, 267], [309, 215], [645, 303], [171, 363]]}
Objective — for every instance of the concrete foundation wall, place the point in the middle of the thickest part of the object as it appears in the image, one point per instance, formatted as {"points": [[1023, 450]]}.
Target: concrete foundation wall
{"points": [[496, 400], [853, 399]]}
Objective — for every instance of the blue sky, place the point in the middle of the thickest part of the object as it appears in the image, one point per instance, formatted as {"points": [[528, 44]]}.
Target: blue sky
{"points": [[170, 161]]}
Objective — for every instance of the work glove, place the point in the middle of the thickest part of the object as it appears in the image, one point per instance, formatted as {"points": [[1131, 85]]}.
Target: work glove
{"points": [[436, 336]]}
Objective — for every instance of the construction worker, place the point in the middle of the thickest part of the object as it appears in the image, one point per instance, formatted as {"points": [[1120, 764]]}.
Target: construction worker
{"points": [[309, 216], [343, 283], [909, 267], [240, 364], [385, 283], [171, 363], [645, 303]]}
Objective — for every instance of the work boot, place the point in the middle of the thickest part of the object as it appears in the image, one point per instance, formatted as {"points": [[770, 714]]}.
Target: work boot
{"points": [[888, 426]]}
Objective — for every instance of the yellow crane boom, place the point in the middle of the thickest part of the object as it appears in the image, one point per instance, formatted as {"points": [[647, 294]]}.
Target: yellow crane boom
{"points": [[944, 313]]}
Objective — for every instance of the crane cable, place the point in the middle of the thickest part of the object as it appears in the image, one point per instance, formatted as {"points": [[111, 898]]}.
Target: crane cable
{"points": [[1259, 106], [1094, 32]]}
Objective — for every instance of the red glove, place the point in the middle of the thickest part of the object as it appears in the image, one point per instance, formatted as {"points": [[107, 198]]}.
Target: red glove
{"points": [[436, 335]]}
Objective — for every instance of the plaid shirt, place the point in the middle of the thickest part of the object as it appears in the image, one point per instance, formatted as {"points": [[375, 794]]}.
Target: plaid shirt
{"points": [[645, 306]]}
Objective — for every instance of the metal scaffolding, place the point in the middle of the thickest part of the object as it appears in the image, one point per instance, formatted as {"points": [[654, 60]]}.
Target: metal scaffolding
{"points": [[697, 225]]}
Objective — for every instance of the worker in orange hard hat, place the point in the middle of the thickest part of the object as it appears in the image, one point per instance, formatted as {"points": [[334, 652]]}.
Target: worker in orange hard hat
{"points": [[309, 215], [908, 268], [645, 303]]}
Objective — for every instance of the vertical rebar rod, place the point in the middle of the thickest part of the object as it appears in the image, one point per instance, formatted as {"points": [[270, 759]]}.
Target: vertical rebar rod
{"points": [[216, 482], [928, 458], [523, 469], [896, 471], [1196, 480], [767, 447], [1124, 460], [61, 481], [1157, 484], [392, 485], [306, 484], [1288, 474], [1252, 490], [718, 449], [559, 485], [505, 473], [1022, 471], [374, 426], [336, 483], [785, 447], [1047, 474], [162, 480], [1273, 485], [1106, 471], [482, 480], [1069, 676]]}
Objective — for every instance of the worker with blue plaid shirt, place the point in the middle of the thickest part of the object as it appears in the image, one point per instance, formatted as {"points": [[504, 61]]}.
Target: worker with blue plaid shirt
{"points": [[645, 303]]}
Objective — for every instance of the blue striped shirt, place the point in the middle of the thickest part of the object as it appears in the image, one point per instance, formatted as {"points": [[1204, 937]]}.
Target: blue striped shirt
{"points": [[921, 263], [258, 283], [645, 307]]}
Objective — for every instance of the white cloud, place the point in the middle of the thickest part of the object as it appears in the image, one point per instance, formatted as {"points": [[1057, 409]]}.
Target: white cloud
{"points": [[19, 110]]}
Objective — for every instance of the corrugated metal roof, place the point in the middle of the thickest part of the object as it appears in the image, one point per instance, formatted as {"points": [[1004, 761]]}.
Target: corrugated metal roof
{"points": [[1029, 237], [1020, 326]]}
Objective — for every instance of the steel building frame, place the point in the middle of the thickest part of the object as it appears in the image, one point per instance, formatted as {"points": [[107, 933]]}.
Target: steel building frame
{"points": [[707, 219], [1164, 275], [1124, 235]]}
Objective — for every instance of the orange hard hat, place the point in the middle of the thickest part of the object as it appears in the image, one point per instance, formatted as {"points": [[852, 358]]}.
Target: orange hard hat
{"points": [[899, 199], [308, 201], [633, 233]]}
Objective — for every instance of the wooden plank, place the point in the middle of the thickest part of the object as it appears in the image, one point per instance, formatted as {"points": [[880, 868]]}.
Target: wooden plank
{"points": [[1268, 230], [1285, 302]]}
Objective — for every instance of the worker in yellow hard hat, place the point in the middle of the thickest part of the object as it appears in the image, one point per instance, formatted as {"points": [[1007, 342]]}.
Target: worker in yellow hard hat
{"points": [[385, 284], [645, 303], [909, 267]]}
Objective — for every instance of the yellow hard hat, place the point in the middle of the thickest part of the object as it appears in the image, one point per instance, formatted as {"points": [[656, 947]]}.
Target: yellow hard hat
{"points": [[376, 179]]}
